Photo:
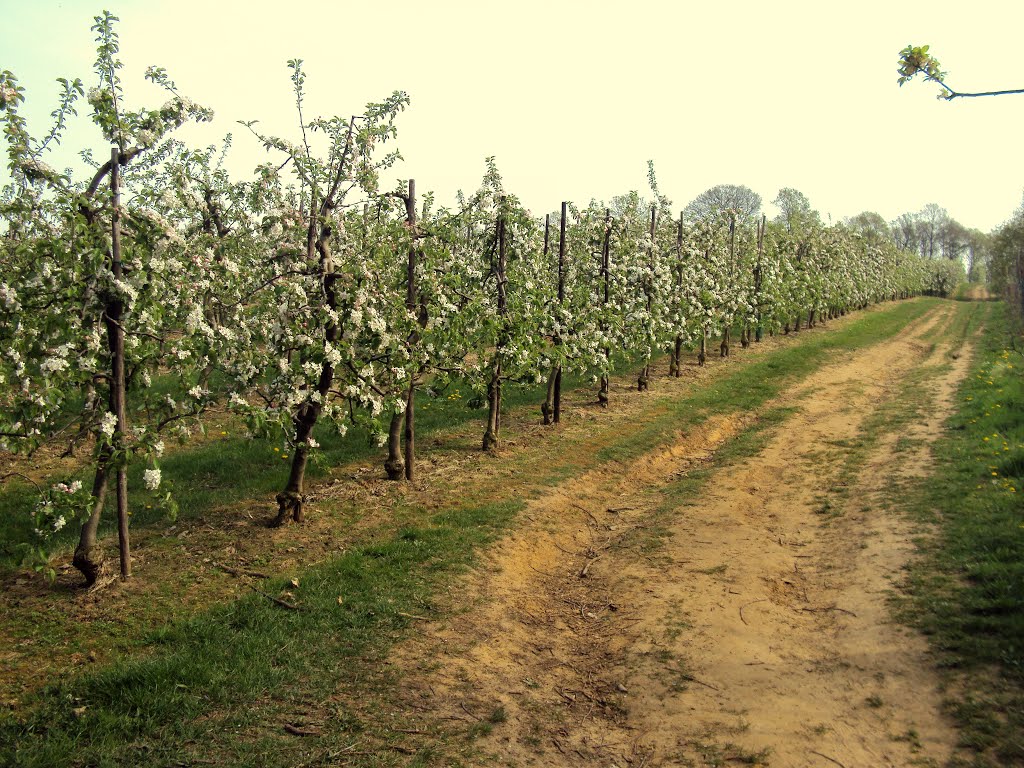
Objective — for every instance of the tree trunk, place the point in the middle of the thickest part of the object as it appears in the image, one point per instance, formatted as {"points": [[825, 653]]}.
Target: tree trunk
{"points": [[702, 356], [118, 397], [394, 465], [318, 243], [547, 408], [643, 380], [410, 430], [290, 500], [724, 346], [88, 557], [676, 363], [493, 409]]}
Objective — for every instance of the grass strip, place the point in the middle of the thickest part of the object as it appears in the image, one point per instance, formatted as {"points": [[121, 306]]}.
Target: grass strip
{"points": [[967, 592]]}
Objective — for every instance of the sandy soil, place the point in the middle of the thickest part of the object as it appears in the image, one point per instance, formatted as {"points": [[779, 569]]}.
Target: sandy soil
{"points": [[620, 625]]}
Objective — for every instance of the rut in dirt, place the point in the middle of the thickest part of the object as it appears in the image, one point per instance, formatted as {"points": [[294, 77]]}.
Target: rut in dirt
{"points": [[620, 626]]}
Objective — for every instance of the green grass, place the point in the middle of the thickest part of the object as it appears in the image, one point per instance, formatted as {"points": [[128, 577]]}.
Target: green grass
{"points": [[968, 590], [251, 664]]}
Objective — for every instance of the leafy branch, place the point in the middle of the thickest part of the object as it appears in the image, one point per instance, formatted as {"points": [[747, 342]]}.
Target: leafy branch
{"points": [[916, 60]]}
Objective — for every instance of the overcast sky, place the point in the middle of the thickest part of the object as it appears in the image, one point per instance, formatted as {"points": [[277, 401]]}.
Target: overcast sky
{"points": [[573, 98]]}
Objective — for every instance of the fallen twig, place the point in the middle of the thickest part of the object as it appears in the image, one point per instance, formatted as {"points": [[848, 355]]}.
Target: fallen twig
{"points": [[830, 759], [829, 608], [277, 600], [413, 616], [463, 706], [762, 600], [295, 730], [693, 679], [544, 573], [239, 571], [588, 513], [586, 568]]}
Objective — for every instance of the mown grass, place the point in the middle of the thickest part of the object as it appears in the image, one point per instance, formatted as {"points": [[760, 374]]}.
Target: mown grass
{"points": [[253, 665], [968, 589], [224, 684]]}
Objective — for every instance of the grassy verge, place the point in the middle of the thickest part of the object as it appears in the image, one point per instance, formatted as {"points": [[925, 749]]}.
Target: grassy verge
{"points": [[968, 589], [255, 682]]}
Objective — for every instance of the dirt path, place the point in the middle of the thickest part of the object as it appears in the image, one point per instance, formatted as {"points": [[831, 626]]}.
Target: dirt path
{"points": [[627, 624]]}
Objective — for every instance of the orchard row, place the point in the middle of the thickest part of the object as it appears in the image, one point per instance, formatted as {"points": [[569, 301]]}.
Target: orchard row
{"points": [[309, 298]]}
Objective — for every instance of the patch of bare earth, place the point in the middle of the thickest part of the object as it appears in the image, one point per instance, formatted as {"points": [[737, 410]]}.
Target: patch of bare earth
{"points": [[756, 631]]}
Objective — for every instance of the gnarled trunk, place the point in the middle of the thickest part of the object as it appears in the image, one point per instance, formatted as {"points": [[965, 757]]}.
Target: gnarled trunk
{"points": [[88, 558], [394, 466], [493, 409], [547, 408]]}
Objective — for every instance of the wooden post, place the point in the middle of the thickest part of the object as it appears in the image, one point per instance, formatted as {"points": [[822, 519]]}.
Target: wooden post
{"points": [[758, 277], [115, 334], [561, 301], [411, 306], [602, 394], [643, 381], [724, 346], [494, 386], [676, 361]]}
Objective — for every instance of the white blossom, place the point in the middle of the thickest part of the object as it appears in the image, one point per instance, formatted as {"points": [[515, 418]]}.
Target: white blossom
{"points": [[151, 477], [108, 425]]}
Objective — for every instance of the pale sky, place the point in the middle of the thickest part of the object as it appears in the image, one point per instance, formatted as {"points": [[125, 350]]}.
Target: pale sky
{"points": [[573, 98]]}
